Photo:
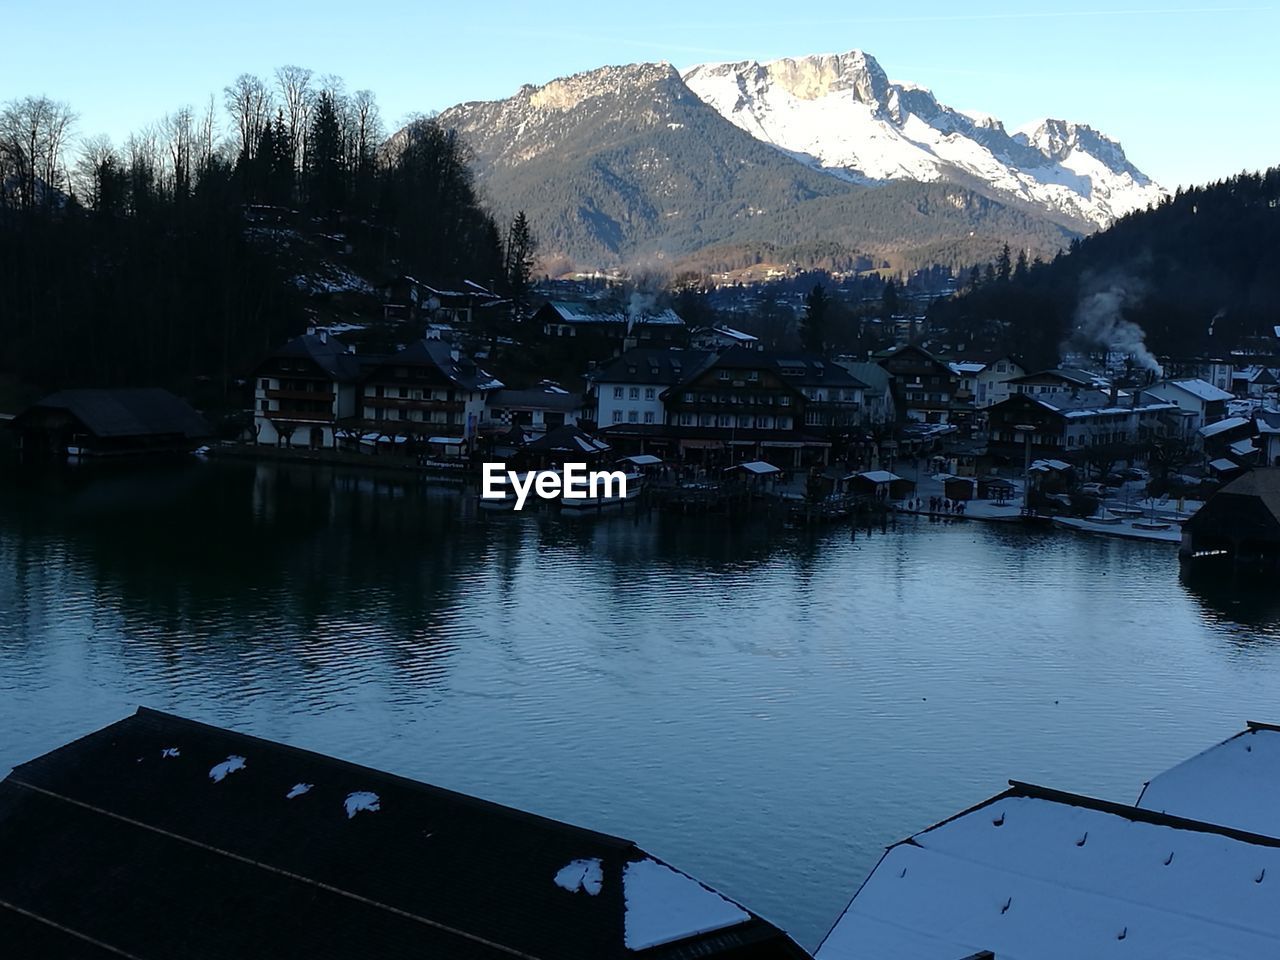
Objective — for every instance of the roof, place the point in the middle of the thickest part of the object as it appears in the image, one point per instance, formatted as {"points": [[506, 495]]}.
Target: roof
{"points": [[879, 476], [1223, 465], [646, 365], [1235, 783], [161, 837], [438, 354], [137, 412], [1202, 389], [872, 375], [1054, 876], [1068, 375], [613, 312], [642, 460], [568, 439], [733, 334], [758, 467], [1222, 426], [536, 398], [328, 353], [1088, 403]]}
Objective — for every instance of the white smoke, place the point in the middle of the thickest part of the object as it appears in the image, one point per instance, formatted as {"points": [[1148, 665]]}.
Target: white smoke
{"points": [[1100, 323]]}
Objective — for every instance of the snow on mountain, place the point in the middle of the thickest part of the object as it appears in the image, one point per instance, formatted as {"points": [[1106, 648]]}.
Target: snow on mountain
{"points": [[840, 113]]}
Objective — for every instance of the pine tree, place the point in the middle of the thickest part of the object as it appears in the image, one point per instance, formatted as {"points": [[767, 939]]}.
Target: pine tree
{"points": [[1003, 265], [519, 258], [325, 173], [889, 300], [813, 325]]}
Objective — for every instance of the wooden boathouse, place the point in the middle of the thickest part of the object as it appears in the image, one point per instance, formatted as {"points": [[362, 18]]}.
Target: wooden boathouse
{"points": [[1239, 524]]}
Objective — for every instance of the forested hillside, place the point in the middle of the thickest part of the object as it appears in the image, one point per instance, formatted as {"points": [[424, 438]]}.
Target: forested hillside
{"points": [[180, 256], [1198, 274]]}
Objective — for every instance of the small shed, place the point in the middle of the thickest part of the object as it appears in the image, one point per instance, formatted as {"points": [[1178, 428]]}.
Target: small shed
{"points": [[958, 488], [995, 488], [882, 484]]}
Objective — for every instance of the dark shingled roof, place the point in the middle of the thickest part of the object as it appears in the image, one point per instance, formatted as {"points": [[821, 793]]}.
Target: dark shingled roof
{"points": [[124, 843], [137, 412]]}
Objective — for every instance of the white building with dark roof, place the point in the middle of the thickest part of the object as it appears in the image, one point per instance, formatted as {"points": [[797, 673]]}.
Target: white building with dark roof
{"points": [[1201, 402]]}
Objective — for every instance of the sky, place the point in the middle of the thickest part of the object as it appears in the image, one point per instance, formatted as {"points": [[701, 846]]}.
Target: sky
{"points": [[1188, 88]]}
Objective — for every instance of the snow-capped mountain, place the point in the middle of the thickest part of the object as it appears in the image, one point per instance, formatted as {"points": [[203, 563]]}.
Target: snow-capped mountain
{"points": [[840, 113]]}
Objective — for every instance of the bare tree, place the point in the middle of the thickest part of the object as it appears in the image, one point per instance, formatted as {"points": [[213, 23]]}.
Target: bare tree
{"points": [[249, 102], [33, 135], [206, 137], [294, 86], [97, 162], [180, 135]]}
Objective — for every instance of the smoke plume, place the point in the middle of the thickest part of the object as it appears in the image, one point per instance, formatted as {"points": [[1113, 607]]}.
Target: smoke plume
{"points": [[1100, 323]]}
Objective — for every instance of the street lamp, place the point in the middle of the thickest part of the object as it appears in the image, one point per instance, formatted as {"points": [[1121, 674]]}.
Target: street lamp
{"points": [[1026, 430]]}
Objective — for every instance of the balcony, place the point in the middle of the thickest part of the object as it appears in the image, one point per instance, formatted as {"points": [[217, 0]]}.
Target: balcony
{"points": [[408, 403], [320, 396]]}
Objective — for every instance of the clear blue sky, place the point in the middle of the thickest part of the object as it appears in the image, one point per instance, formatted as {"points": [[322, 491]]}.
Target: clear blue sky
{"points": [[1188, 88]]}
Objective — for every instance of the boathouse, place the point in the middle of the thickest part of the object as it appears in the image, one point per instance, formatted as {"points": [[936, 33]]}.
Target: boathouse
{"points": [[1039, 873], [110, 422], [1240, 523], [162, 837], [881, 484]]}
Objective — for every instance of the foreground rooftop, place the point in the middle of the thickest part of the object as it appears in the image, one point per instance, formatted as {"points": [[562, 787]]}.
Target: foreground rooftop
{"points": [[162, 837]]}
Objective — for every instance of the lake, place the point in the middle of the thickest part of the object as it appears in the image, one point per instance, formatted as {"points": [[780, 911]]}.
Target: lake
{"points": [[762, 707]]}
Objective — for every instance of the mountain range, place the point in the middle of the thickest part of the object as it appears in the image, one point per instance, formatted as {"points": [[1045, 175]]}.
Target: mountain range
{"points": [[814, 160]]}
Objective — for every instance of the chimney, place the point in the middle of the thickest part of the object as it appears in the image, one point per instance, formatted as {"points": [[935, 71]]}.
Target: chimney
{"points": [[454, 353], [311, 329], [1115, 394], [324, 336], [351, 348]]}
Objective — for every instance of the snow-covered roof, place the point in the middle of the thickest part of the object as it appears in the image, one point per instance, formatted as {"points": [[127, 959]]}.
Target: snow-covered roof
{"points": [[1222, 426], [1223, 465], [1235, 783], [1044, 466], [757, 467], [965, 367], [879, 476], [1037, 873], [1243, 448], [1202, 389], [735, 334], [643, 460]]}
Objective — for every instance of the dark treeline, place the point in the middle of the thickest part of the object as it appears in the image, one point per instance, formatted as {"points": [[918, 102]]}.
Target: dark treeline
{"points": [[171, 259], [1198, 274]]}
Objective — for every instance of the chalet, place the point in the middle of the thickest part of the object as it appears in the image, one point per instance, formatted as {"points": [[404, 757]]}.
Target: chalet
{"points": [[303, 389], [1201, 402], [1057, 382], [427, 388], [1217, 438], [1218, 371], [1066, 424], [537, 409], [1255, 382], [406, 298], [877, 392], [610, 320], [629, 389], [720, 337], [1035, 872], [1268, 426], [161, 837], [984, 380], [109, 422], [923, 386]]}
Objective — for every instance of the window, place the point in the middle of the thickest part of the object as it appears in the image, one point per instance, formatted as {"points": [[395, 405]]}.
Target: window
{"points": [[633, 416], [266, 384], [688, 398], [617, 416], [784, 423], [724, 374], [617, 393], [266, 404], [686, 419], [753, 376], [635, 393], [404, 392], [648, 416], [650, 393], [785, 400]]}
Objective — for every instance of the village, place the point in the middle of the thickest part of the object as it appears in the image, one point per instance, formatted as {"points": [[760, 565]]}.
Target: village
{"points": [[705, 419]]}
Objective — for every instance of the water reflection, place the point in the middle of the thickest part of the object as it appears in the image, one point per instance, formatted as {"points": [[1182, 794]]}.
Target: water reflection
{"points": [[766, 706]]}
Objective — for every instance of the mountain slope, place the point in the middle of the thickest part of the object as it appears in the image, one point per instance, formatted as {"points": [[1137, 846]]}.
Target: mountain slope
{"points": [[840, 113], [624, 163]]}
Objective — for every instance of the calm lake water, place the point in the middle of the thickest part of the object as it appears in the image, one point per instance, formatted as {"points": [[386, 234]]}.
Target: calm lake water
{"points": [[765, 708]]}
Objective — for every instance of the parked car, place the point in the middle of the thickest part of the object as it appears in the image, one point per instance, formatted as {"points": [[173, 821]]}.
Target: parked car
{"points": [[1135, 473], [1093, 489]]}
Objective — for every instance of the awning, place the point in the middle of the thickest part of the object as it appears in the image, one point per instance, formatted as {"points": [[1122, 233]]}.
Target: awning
{"points": [[757, 467], [643, 460]]}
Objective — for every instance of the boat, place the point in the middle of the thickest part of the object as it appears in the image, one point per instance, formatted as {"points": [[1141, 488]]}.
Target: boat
{"points": [[1103, 516], [612, 500], [507, 502]]}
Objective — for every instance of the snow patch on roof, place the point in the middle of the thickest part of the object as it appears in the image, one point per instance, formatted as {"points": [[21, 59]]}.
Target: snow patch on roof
{"points": [[227, 767], [663, 904], [170, 752], [298, 790], [360, 801], [586, 876]]}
